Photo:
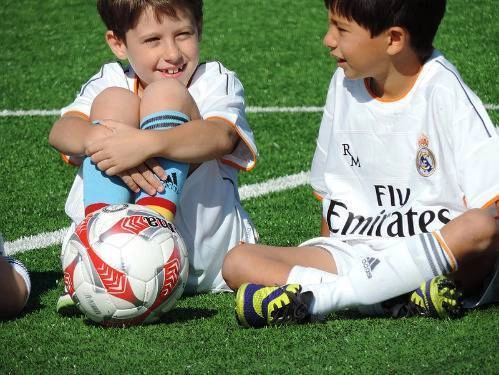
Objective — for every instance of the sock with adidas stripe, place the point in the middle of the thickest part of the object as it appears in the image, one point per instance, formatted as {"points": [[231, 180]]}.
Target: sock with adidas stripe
{"points": [[165, 202], [387, 273]]}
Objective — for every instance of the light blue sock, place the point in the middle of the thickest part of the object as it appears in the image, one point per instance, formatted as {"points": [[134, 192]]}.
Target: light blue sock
{"points": [[166, 202], [100, 190]]}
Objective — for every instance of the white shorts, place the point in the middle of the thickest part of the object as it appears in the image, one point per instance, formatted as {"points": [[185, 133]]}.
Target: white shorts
{"points": [[345, 255]]}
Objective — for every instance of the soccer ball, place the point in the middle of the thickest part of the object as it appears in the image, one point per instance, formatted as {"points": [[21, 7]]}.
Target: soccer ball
{"points": [[125, 265]]}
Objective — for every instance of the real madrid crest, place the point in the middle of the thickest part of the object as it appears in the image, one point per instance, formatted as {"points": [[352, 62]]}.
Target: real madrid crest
{"points": [[425, 160]]}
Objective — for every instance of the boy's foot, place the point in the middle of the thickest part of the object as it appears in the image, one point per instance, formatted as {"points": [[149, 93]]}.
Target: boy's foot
{"points": [[65, 305], [435, 298], [259, 305]]}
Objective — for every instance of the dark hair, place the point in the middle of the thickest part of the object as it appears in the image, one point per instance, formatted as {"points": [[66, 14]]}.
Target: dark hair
{"points": [[420, 18], [119, 16]]}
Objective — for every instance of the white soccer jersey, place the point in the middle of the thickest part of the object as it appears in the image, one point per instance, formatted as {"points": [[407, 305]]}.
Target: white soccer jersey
{"points": [[399, 168], [209, 216]]}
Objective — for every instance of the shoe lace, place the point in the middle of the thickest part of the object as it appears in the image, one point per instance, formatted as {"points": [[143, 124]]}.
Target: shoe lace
{"points": [[296, 310]]}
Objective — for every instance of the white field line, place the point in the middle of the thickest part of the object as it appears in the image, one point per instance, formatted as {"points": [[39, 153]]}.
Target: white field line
{"points": [[56, 112], [46, 239]]}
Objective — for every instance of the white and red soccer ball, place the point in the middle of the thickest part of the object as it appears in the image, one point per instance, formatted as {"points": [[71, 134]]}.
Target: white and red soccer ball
{"points": [[125, 265]]}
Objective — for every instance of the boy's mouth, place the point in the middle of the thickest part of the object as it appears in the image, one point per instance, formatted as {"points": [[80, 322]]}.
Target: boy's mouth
{"points": [[172, 71]]}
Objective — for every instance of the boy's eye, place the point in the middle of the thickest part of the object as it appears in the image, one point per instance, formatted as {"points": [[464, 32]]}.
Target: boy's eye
{"points": [[185, 34], [151, 40]]}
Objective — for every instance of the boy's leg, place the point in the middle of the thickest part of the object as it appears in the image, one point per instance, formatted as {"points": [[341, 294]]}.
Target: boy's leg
{"points": [[368, 277], [476, 229], [256, 304], [272, 265], [15, 285], [401, 267], [100, 190], [166, 104]]}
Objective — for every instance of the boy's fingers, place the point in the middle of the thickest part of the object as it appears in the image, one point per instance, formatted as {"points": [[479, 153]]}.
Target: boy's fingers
{"points": [[129, 182], [141, 182], [150, 177], [157, 169]]}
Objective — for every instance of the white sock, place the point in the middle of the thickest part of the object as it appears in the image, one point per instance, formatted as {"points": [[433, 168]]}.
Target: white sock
{"points": [[391, 272], [308, 275]]}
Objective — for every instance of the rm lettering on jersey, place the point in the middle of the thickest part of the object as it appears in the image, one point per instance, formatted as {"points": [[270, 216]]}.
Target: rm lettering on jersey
{"points": [[396, 220], [354, 160]]}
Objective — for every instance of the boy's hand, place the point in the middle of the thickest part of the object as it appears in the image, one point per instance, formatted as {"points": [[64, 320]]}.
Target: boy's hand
{"points": [[122, 150], [96, 133], [146, 176]]}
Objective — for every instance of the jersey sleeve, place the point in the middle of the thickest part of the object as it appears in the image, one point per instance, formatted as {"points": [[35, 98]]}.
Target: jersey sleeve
{"points": [[474, 141], [319, 160], [220, 95], [109, 75], [477, 157]]}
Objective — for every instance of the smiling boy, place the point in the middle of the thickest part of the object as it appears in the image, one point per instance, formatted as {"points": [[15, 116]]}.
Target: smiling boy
{"points": [[405, 168], [145, 128]]}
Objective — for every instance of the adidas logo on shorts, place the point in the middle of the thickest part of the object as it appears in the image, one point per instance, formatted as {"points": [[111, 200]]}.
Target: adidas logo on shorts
{"points": [[369, 264]]}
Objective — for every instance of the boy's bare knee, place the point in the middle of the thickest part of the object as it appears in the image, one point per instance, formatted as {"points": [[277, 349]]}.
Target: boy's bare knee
{"points": [[480, 228], [229, 266], [116, 103], [168, 94]]}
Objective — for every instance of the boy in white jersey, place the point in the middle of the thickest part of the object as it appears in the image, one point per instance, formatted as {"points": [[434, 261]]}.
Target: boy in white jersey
{"points": [[117, 126], [406, 167]]}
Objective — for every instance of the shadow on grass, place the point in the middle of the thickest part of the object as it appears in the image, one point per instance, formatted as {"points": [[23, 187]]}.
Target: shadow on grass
{"points": [[184, 314], [177, 315], [41, 282]]}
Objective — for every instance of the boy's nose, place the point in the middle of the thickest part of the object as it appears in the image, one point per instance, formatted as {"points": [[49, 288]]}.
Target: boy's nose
{"points": [[330, 39], [171, 52]]}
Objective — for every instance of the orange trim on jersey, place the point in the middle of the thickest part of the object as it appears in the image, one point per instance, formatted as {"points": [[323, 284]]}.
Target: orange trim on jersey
{"points": [[137, 85], [369, 88], [317, 196], [77, 114], [229, 162], [74, 161], [444, 246], [491, 202]]}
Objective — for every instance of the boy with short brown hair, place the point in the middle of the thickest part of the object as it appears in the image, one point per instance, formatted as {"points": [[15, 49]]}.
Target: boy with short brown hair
{"points": [[118, 122]]}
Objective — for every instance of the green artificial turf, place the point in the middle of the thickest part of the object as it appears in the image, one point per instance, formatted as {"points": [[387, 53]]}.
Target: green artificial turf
{"points": [[50, 48]]}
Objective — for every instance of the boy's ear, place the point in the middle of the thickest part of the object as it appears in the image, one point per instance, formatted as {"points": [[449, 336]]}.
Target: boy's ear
{"points": [[398, 40], [117, 45]]}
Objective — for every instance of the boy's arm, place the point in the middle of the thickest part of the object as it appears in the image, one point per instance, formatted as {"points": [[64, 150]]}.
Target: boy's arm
{"points": [[198, 141], [193, 142], [73, 132]]}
